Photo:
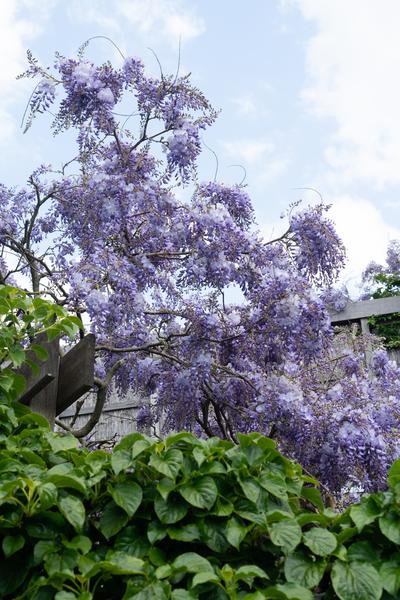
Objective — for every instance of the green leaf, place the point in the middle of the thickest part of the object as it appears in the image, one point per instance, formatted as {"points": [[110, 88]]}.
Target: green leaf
{"points": [[288, 591], [314, 496], [192, 562], [285, 533], [320, 541], [205, 577], [120, 460], [274, 483], [394, 473], [112, 520], [170, 511], [12, 543], [390, 576], [120, 563], [128, 495], [356, 581], [235, 532], [363, 551], [365, 513], [73, 510], [248, 573], [17, 356], [184, 533], [181, 594], [59, 442], [156, 532], [201, 492], [48, 494], [251, 488], [132, 541], [303, 570], [168, 463], [67, 481], [79, 542], [389, 524], [40, 351]]}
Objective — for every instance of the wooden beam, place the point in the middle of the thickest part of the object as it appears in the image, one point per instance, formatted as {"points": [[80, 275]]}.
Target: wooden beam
{"points": [[76, 373], [355, 311], [41, 389]]}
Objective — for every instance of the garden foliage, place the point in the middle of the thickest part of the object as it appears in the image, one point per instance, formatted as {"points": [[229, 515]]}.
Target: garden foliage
{"points": [[181, 519]]}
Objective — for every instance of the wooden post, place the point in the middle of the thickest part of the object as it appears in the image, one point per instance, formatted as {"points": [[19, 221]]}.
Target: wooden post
{"points": [[368, 349]]}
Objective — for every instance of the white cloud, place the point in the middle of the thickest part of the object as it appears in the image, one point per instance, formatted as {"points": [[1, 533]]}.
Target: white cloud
{"points": [[245, 105], [353, 61], [250, 151], [21, 21], [167, 20], [364, 232]]}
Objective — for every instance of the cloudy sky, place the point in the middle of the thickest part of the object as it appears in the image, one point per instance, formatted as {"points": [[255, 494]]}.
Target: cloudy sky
{"points": [[309, 92]]}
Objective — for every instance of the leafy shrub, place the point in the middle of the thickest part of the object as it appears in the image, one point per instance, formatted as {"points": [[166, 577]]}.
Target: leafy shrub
{"points": [[181, 518]]}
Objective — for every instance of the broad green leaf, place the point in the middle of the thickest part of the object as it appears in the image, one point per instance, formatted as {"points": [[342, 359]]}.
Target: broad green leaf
{"points": [[168, 463], [303, 570], [394, 473], [59, 442], [313, 495], [120, 460], [12, 543], [205, 577], [61, 563], [40, 351], [274, 484], [251, 488], [365, 513], [184, 533], [163, 571], [356, 581], [389, 572], [67, 481], [288, 591], [128, 495], [73, 510], [170, 511], [248, 573], [363, 551], [132, 541], [192, 563], [79, 542], [389, 524], [112, 520], [156, 532], [201, 492], [235, 532], [212, 532], [181, 594], [286, 534], [120, 563], [165, 487], [320, 541]]}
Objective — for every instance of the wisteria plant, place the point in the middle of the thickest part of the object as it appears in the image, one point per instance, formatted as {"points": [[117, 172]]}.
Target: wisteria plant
{"points": [[108, 237]]}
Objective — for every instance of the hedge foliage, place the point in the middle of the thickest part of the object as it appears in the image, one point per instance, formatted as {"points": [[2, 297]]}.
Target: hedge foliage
{"points": [[181, 519]]}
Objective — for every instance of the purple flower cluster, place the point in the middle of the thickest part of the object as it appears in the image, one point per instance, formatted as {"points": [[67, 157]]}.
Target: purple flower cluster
{"points": [[152, 274]]}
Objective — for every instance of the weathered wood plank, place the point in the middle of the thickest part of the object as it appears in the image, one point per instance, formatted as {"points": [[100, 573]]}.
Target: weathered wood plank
{"points": [[76, 373], [41, 389], [366, 308]]}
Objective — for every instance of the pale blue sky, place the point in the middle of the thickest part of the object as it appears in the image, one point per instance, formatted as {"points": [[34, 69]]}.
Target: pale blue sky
{"points": [[309, 92]]}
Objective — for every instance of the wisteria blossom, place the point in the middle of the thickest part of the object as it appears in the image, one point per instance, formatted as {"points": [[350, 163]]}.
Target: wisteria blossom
{"points": [[151, 272]]}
